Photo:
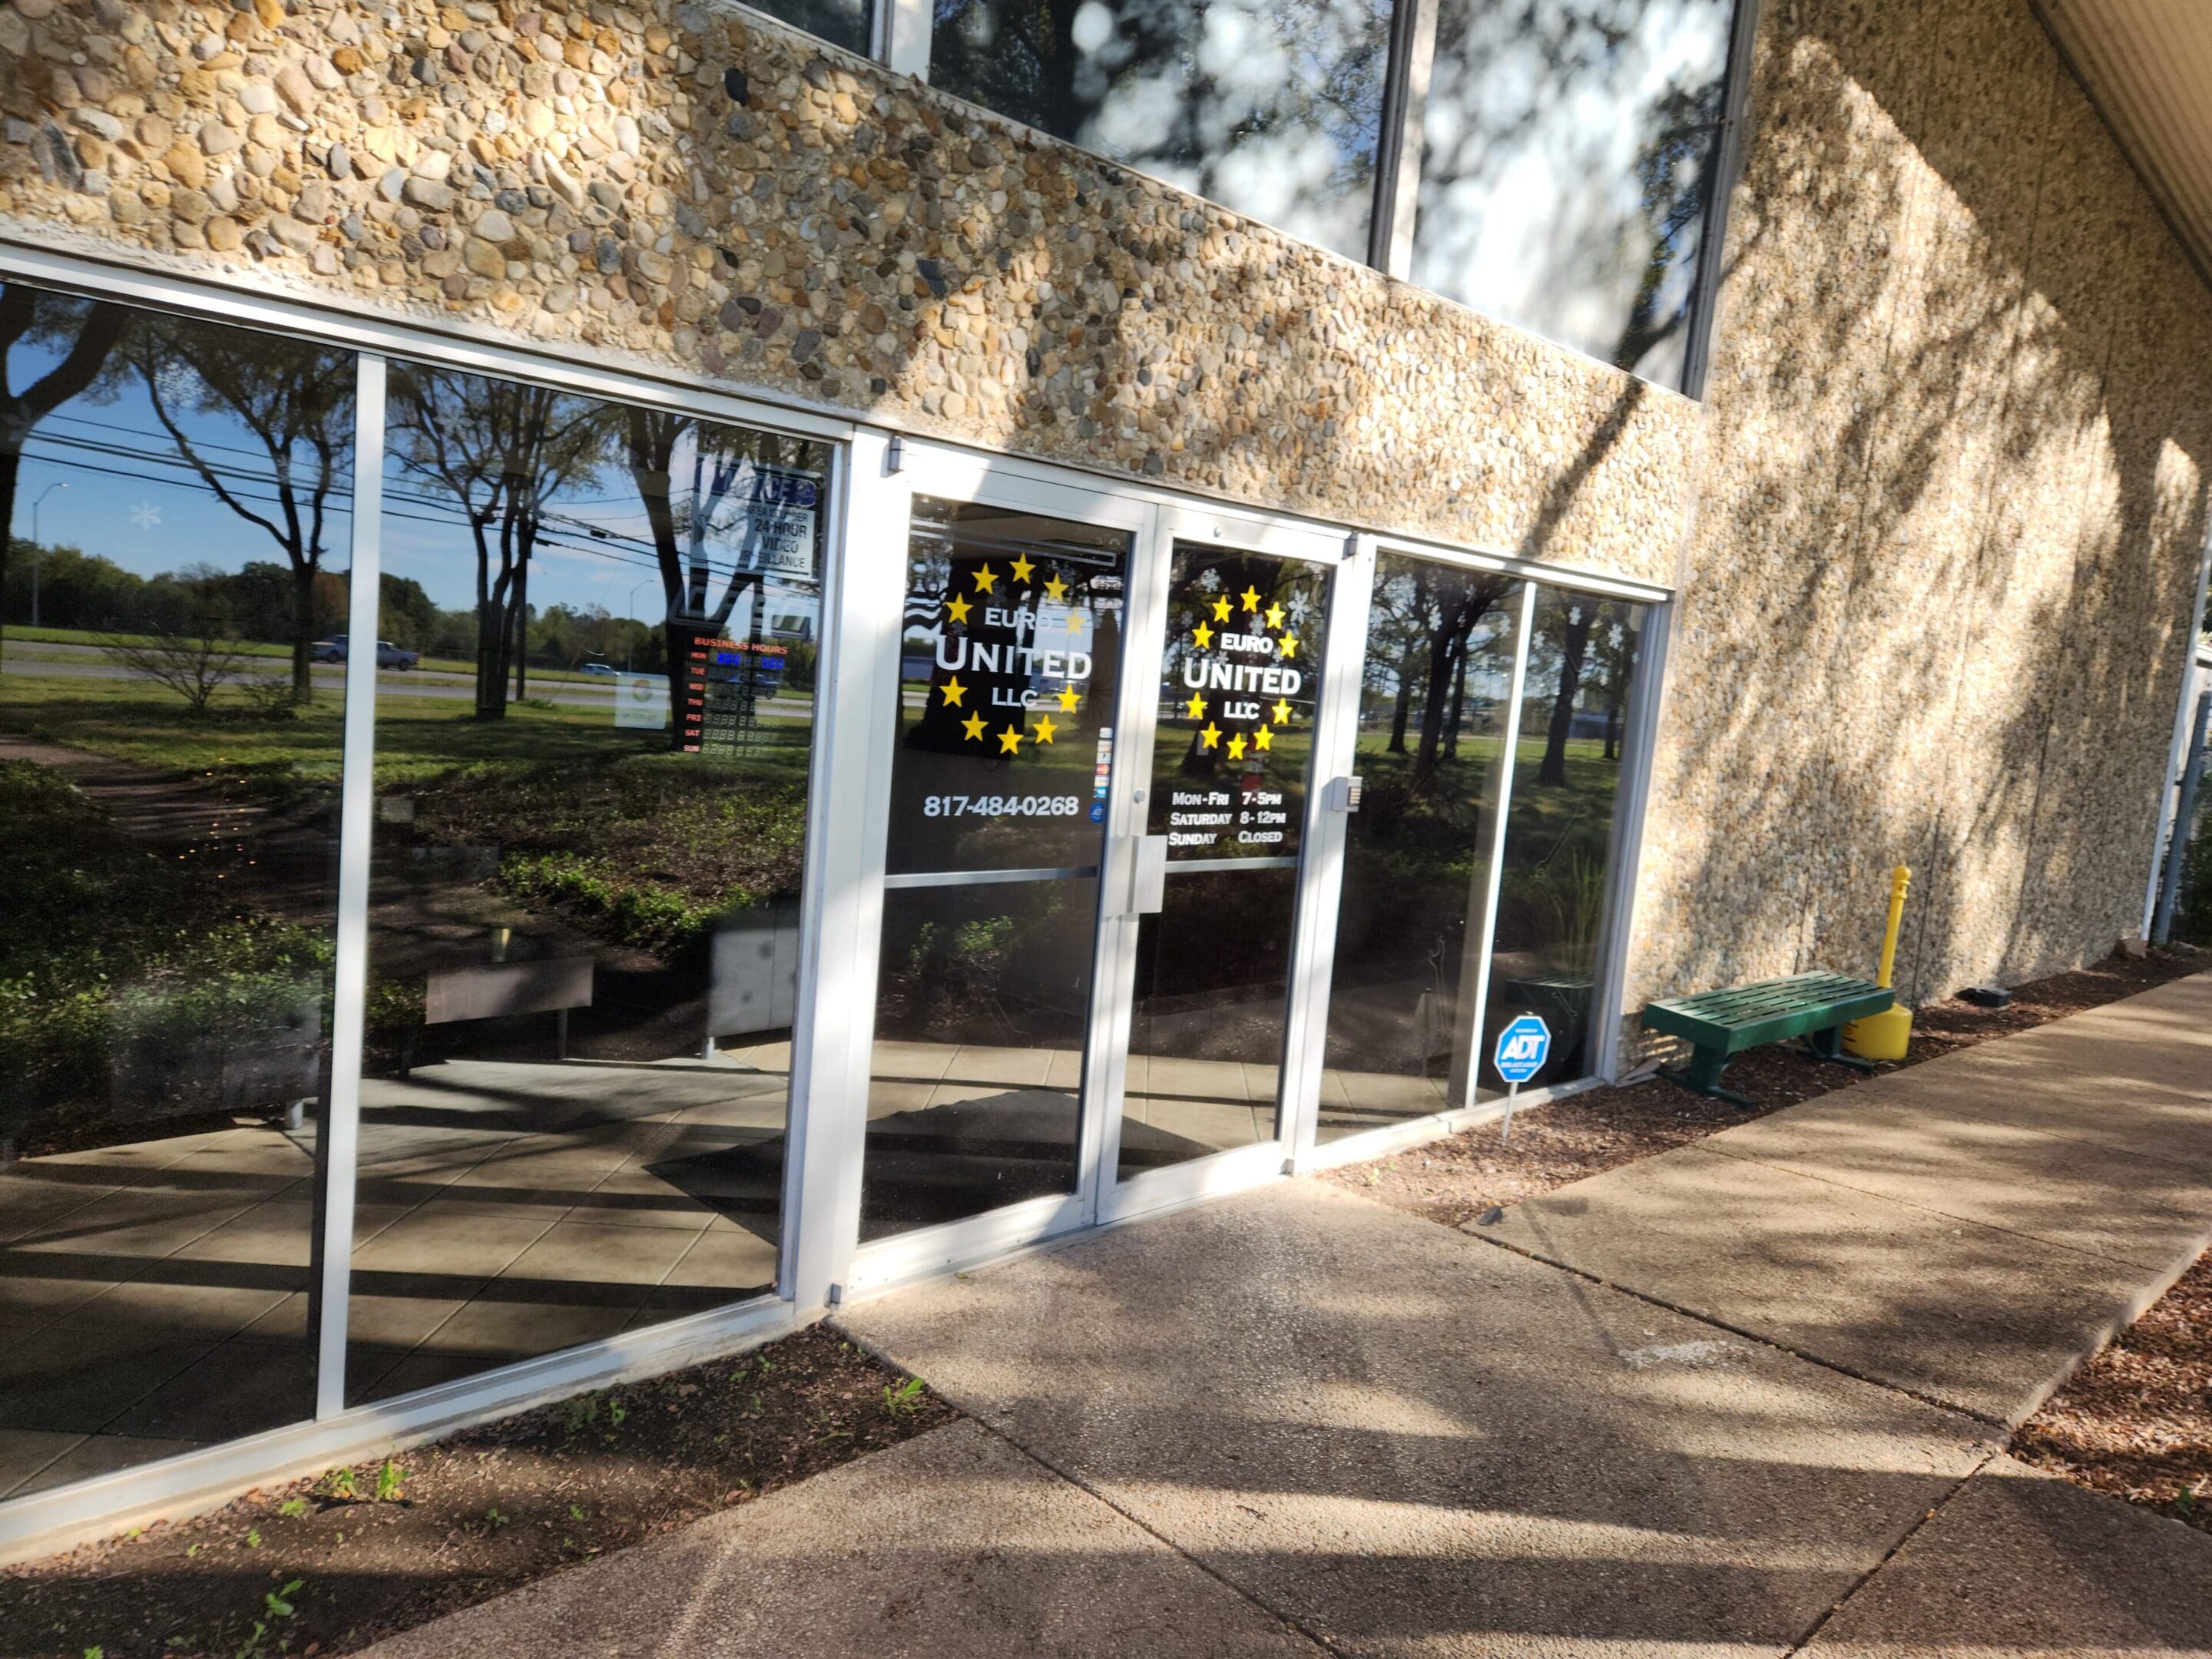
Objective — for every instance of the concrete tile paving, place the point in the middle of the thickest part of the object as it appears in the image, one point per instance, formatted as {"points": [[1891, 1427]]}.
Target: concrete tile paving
{"points": [[1408, 1442], [954, 1543]]}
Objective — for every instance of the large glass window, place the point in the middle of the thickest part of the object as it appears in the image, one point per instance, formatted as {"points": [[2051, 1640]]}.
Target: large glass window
{"points": [[845, 23], [1434, 701], [592, 748], [1556, 869], [176, 497], [1273, 109], [1567, 157]]}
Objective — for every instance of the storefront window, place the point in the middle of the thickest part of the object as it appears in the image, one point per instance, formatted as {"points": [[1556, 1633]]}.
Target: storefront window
{"points": [[1566, 163], [1434, 701], [1570, 760], [594, 725], [176, 496], [845, 23], [1270, 110]]}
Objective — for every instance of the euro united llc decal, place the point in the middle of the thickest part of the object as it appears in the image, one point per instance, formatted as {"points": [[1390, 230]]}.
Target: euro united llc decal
{"points": [[1244, 662]]}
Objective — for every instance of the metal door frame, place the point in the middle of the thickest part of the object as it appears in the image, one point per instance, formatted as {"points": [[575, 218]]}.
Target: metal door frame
{"points": [[1298, 1096], [878, 543]]}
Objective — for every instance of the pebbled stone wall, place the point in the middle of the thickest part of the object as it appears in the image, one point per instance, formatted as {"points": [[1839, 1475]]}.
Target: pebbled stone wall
{"points": [[693, 185], [1947, 525]]}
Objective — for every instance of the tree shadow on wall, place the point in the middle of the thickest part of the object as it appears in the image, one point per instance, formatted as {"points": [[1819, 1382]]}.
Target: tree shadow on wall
{"points": [[1947, 536]]}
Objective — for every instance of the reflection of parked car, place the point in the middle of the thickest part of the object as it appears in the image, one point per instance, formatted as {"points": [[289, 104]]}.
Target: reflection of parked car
{"points": [[606, 668], [388, 655]]}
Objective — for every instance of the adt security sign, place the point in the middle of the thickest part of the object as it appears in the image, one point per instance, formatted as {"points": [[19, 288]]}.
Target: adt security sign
{"points": [[1523, 1047]]}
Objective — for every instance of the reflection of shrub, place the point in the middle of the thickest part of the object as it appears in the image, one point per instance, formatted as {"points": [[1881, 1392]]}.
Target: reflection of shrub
{"points": [[799, 660], [2192, 918], [111, 956], [643, 913], [1561, 906]]}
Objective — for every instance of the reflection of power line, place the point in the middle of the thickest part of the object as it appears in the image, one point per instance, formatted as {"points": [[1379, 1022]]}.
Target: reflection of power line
{"points": [[335, 496], [148, 438]]}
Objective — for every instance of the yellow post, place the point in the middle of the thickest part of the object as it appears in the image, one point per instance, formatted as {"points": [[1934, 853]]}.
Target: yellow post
{"points": [[1885, 1035]]}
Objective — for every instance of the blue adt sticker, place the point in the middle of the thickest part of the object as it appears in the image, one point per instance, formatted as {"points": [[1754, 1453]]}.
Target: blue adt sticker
{"points": [[1523, 1047], [1098, 812]]}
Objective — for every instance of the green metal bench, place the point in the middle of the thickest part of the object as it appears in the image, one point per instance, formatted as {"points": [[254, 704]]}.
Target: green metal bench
{"points": [[1721, 1024]]}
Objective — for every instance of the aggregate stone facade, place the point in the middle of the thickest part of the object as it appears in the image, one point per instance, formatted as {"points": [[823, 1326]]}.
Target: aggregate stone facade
{"points": [[1935, 527], [1938, 589], [690, 185]]}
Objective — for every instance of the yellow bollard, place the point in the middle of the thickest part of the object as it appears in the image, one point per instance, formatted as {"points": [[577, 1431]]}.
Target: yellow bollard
{"points": [[1884, 1035]]}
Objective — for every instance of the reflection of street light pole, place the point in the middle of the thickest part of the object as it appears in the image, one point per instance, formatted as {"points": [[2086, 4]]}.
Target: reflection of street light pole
{"points": [[39, 547], [629, 608]]}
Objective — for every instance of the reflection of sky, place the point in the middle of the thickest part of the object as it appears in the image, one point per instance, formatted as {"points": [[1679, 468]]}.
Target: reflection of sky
{"points": [[132, 499], [1531, 208]]}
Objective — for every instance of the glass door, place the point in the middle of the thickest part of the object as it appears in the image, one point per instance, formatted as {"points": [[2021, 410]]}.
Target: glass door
{"points": [[981, 1131], [1228, 780]]}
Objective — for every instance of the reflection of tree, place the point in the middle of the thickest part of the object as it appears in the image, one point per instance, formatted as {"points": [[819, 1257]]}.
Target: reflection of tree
{"points": [[296, 401], [1566, 164], [1272, 106], [683, 525], [82, 332], [1587, 645], [1426, 623], [503, 450]]}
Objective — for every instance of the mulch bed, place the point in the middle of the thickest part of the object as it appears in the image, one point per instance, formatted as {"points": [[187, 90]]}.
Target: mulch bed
{"points": [[317, 1569], [1463, 1177], [2136, 1421]]}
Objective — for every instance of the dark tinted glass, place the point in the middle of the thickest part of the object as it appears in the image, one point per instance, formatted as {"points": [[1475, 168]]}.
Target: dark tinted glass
{"points": [[594, 719], [1433, 703], [176, 496], [1269, 109], [845, 23], [1566, 159]]}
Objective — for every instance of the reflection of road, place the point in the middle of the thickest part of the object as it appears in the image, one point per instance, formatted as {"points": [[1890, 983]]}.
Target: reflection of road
{"points": [[40, 660]]}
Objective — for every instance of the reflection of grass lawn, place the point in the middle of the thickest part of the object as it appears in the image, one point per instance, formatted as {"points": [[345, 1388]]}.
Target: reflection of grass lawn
{"points": [[17, 635], [602, 818]]}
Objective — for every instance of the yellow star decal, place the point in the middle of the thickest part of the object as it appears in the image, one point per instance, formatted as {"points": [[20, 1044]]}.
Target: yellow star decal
{"points": [[1054, 588], [1236, 747], [1274, 615], [953, 692], [1210, 738], [1075, 622], [973, 725], [1201, 636], [1282, 712], [1067, 699], [986, 578], [958, 609], [1221, 609], [1045, 728], [1263, 739], [1010, 740], [1023, 567], [1251, 598], [1289, 646], [1196, 707]]}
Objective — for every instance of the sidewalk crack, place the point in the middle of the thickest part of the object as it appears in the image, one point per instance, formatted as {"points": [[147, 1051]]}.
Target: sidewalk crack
{"points": [[1889, 1555]]}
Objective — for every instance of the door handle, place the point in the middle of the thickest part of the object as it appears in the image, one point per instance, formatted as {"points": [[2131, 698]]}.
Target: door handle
{"points": [[1141, 876]]}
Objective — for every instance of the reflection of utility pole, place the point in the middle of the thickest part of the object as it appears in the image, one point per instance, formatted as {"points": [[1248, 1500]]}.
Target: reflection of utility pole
{"points": [[39, 547], [630, 614]]}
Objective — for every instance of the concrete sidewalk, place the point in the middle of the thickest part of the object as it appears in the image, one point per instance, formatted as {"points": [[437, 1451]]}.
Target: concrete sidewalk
{"points": [[1298, 1422]]}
